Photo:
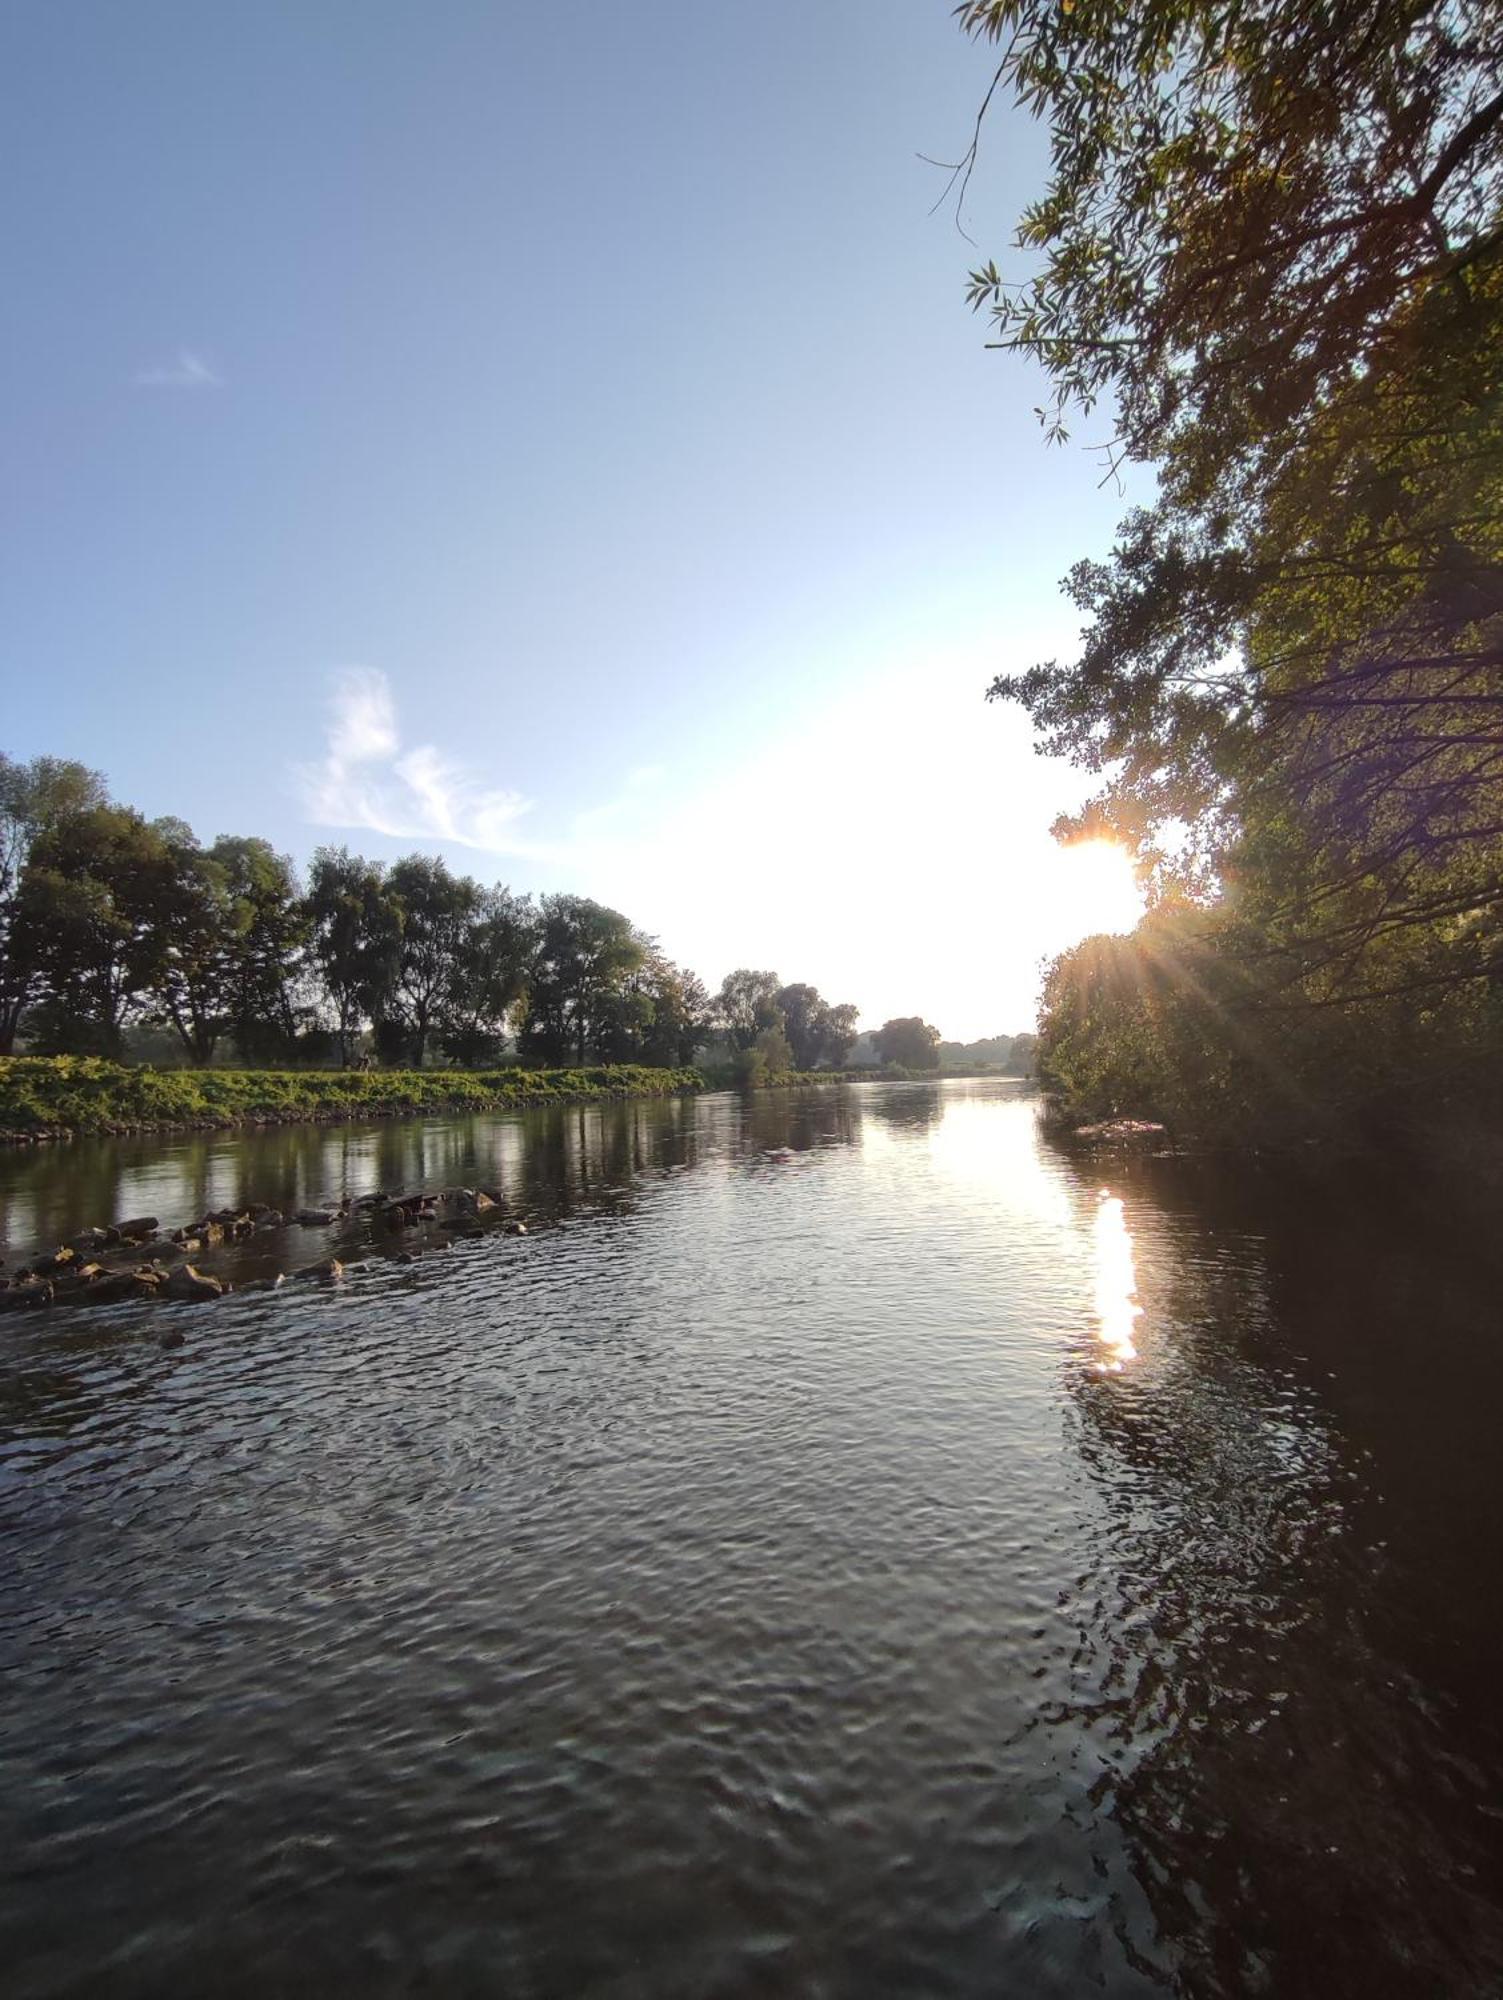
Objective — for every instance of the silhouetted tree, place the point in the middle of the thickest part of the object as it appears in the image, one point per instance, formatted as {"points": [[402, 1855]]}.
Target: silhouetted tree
{"points": [[271, 927], [488, 979], [585, 956], [437, 911], [193, 983], [356, 940], [33, 797], [1271, 245], [908, 1041], [94, 916], [746, 1004], [817, 1033]]}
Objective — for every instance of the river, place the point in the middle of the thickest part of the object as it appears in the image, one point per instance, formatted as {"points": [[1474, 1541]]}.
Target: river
{"points": [[849, 1547]]}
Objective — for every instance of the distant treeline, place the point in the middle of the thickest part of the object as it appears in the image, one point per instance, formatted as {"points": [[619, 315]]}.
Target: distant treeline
{"points": [[1015, 1055], [124, 936]]}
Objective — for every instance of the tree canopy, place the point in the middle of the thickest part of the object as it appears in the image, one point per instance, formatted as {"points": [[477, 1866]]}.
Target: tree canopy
{"points": [[811, 1033], [909, 1042], [1271, 246], [1271, 252]]}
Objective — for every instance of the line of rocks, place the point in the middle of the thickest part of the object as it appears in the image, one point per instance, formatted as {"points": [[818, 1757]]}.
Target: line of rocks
{"points": [[135, 1260]]}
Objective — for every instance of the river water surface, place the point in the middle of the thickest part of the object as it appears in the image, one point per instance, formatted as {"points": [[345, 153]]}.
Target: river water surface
{"points": [[847, 1548]]}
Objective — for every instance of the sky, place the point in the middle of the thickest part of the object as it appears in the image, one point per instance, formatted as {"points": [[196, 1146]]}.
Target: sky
{"points": [[552, 437]]}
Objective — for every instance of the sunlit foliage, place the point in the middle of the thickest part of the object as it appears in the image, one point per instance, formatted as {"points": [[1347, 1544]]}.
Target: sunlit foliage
{"points": [[1271, 254]]}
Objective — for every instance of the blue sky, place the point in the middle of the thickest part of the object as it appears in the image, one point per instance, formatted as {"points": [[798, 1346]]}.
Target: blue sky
{"points": [[553, 436]]}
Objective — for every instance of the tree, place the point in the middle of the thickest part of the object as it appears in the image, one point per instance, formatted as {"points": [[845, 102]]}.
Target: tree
{"points": [[585, 956], [1244, 202], [437, 912], [659, 1016], [817, 1033], [769, 1058], [909, 1042], [840, 1032], [33, 797], [271, 927], [488, 979], [1170, 1023], [802, 1010], [746, 1004], [1271, 244], [93, 918], [1023, 1061], [356, 939], [194, 922], [692, 1016], [991, 1050]]}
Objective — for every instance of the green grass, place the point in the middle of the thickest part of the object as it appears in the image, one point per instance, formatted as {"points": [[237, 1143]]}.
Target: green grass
{"points": [[52, 1094]]}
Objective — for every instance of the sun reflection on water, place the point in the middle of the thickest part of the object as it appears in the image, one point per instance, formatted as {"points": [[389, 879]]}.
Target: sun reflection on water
{"points": [[1116, 1286]]}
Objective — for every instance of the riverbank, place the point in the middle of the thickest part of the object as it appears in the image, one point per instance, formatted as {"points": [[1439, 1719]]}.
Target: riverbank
{"points": [[63, 1097]]}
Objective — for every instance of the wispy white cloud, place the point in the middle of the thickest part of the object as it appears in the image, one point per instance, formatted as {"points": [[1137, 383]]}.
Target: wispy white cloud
{"points": [[186, 371], [367, 781]]}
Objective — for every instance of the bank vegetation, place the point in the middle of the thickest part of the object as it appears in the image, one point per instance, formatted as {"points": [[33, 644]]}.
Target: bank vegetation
{"points": [[1268, 264], [60, 1096]]}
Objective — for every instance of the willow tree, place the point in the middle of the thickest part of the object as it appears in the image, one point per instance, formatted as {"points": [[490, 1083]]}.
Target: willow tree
{"points": [[1271, 249]]}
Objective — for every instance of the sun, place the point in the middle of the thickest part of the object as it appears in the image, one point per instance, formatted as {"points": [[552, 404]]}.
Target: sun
{"points": [[1097, 888]]}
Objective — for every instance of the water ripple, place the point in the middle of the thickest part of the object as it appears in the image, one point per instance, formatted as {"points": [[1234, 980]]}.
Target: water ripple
{"points": [[754, 1586]]}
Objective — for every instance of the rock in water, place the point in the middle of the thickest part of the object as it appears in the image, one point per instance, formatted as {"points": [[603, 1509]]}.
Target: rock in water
{"points": [[186, 1283], [26, 1293], [117, 1287], [467, 1201], [165, 1248]]}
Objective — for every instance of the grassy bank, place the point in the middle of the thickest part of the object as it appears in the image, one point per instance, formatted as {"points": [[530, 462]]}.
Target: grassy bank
{"points": [[57, 1096]]}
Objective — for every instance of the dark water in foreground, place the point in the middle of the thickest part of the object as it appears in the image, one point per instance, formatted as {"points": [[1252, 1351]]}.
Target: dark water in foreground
{"points": [[929, 1565]]}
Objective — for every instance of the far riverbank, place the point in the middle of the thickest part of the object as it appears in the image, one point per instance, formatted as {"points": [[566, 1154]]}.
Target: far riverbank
{"points": [[63, 1097]]}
